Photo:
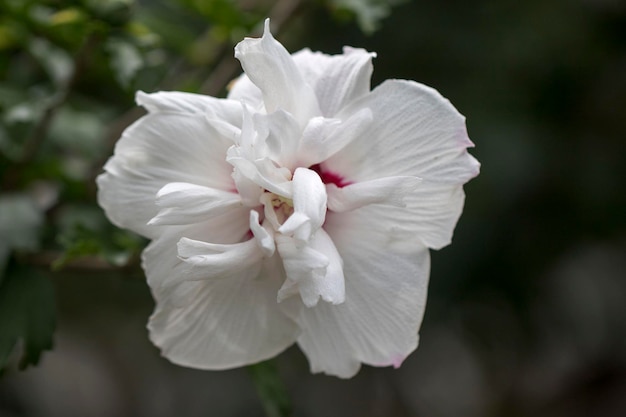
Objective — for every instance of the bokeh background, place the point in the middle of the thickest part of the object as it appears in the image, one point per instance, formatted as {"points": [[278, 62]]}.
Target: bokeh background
{"points": [[527, 308]]}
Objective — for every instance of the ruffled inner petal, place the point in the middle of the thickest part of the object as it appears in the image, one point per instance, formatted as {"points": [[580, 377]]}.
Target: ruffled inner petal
{"points": [[204, 260], [313, 270], [309, 198], [185, 203], [336, 79], [388, 191], [263, 234], [271, 68], [324, 137], [282, 136], [249, 157]]}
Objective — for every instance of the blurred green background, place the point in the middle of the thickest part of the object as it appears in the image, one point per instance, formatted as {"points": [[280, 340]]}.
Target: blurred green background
{"points": [[527, 308]]}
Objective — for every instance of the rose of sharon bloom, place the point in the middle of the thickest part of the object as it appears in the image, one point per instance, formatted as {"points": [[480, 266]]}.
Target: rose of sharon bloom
{"points": [[299, 209]]}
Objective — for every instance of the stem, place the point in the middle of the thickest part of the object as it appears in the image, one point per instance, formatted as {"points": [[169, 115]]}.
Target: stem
{"points": [[270, 388]]}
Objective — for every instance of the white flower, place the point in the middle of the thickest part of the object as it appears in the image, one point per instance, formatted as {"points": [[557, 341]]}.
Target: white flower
{"points": [[299, 209]]}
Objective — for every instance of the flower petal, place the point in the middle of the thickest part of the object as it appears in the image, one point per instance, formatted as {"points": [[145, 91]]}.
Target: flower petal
{"points": [[249, 157], [211, 261], [227, 323], [314, 270], [216, 323], [309, 203], [180, 102], [336, 79], [271, 68], [264, 234], [385, 299], [324, 137], [162, 263], [158, 149], [389, 190], [184, 203], [430, 214], [416, 132], [244, 90], [282, 136], [224, 116]]}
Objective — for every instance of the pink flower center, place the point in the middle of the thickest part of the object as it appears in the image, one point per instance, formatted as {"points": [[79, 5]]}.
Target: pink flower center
{"points": [[329, 177]]}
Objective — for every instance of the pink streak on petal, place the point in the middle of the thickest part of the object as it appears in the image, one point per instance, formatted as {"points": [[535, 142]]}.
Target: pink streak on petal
{"points": [[397, 361]]}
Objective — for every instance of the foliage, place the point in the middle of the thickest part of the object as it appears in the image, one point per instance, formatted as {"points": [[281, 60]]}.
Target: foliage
{"points": [[26, 315]]}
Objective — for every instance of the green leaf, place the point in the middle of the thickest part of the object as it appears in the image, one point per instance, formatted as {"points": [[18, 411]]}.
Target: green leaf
{"points": [[27, 314], [126, 60], [83, 231], [57, 62], [20, 224]]}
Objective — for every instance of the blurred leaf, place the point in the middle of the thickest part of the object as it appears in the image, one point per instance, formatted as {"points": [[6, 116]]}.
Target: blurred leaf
{"points": [[10, 95], [8, 37], [126, 60], [67, 16], [84, 231], [57, 62], [80, 242], [115, 13], [24, 112], [220, 12], [368, 13], [142, 34], [20, 224], [79, 132], [27, 314]]}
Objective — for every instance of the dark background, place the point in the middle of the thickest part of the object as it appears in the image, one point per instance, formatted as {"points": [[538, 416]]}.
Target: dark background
{"points": [[527, 308]]}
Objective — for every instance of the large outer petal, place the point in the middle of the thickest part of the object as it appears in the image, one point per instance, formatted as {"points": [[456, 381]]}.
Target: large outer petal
{"points": [[385, 299], [416, 132], [215, 323], [336, 79], [160, 148], [180, 102]]}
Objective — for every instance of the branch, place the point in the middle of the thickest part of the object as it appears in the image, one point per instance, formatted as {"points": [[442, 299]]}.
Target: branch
{"points": [[38, 135]]}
